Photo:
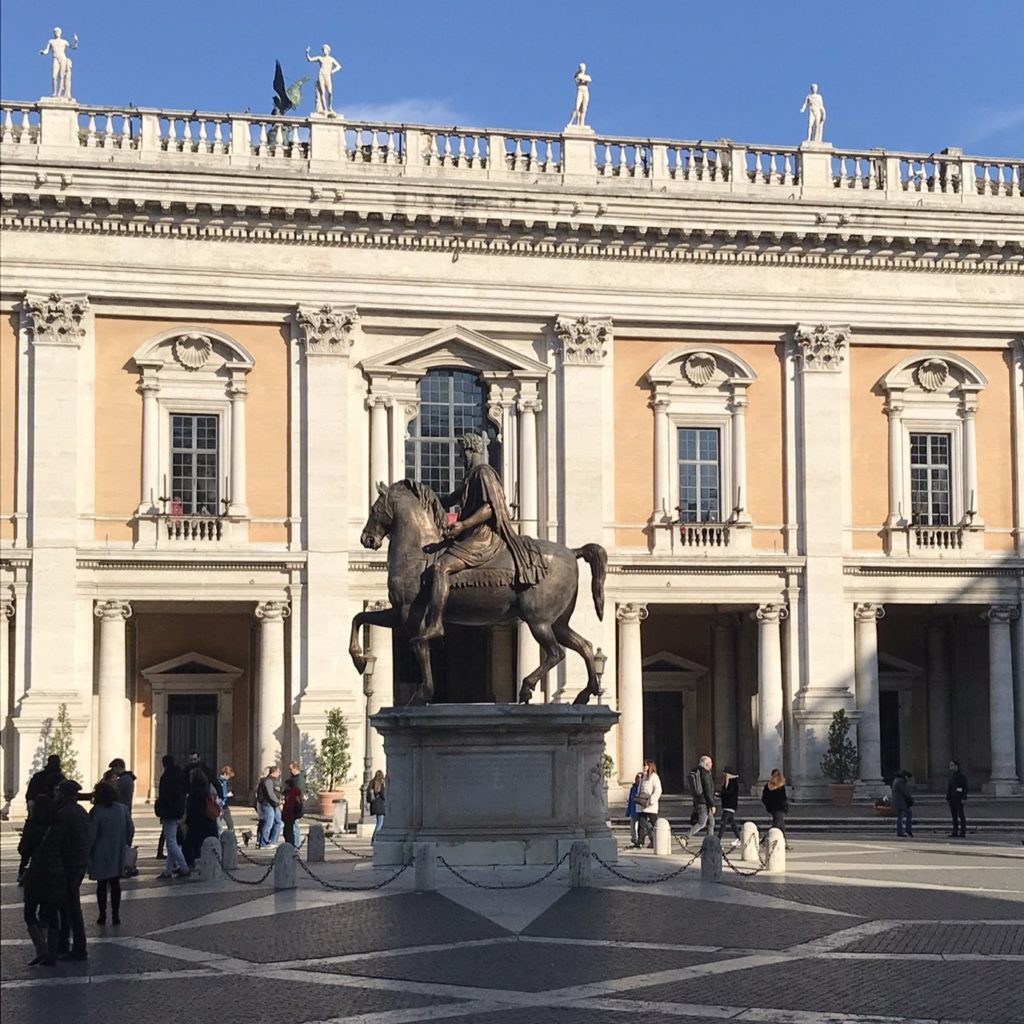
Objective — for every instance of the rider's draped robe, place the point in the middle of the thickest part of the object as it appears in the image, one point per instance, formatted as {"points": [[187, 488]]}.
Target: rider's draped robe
{"points": [[480, 544]]}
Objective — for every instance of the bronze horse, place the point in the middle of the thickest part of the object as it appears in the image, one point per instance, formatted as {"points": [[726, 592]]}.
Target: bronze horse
{"points": [[411, 515]]}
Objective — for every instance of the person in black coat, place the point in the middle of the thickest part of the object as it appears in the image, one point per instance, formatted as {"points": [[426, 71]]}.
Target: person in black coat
{"points": [[198, 823], [170, 809], [775, 801], [44, 879], [730, 796], [76, 862], [956, 794], [45, 780]]}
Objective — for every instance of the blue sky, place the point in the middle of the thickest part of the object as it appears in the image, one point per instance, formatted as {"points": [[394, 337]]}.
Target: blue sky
{"points": [[905, 76]]}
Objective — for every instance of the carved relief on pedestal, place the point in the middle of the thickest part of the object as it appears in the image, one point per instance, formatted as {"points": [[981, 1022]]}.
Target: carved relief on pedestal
{"points": [[584, 340], [327, 329], [55, 319], [822, 346]]}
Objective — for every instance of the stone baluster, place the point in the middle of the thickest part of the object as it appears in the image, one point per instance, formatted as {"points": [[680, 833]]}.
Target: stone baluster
{"points": [[126, 131], [218, 138], [7, 133], [90, 132], [25, 136]]}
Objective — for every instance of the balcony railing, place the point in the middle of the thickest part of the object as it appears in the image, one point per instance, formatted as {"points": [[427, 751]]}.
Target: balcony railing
{"points": [[703, 536], [939, 538], [316, 143], [192, 529]]}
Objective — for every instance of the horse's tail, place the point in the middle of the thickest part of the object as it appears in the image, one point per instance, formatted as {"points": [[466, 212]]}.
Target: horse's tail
{"points": [[597, 558]]}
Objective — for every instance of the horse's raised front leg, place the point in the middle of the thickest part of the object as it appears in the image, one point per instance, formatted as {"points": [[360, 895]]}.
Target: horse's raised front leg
{"points": [[387, 617], [568, 636], [553, 654]]}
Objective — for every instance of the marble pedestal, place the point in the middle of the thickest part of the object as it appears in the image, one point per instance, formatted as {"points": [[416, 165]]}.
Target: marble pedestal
{"points": [[494, 783]]}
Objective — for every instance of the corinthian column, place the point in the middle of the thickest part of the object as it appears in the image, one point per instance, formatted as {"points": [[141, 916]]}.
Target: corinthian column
{"points": [[631, 690], [150, 483], [1003, 777], [6, 614], [769, 689], [528, 409], [113, 735], [869, 742], [271, 705]]}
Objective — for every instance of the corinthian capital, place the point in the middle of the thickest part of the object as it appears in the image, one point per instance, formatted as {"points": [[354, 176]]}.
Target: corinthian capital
{"points": [[584, 340], [326, 330], [822, 346], [55, 319]]}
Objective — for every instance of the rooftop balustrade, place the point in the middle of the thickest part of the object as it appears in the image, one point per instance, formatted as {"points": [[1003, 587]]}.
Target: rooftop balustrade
{"points": [[63, 130]]}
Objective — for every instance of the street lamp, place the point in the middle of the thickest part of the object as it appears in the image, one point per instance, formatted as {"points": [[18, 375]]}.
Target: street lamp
{"points": [[364, 803], [600, 660]]}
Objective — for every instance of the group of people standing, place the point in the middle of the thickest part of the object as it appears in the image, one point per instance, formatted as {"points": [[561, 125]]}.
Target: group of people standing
{"points": [[902, 801], [279, 809], [60, 843], [645, 794]]}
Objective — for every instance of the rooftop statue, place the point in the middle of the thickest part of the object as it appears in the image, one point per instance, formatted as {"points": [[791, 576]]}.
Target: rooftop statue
{"points": [[324, 88], [477, 571], [286, 98], [60, 72], [815, 107], [578, 118]]}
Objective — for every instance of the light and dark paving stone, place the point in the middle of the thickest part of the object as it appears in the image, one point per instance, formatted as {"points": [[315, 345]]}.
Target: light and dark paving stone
{"points": [[958, 991], [103, 959], [522, 966], [564, 1015], [226, 1000], [404, 919], [646, 917], [984, 939], [884, 902]]}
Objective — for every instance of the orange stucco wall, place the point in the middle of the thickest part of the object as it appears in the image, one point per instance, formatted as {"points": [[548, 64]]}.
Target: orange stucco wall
{"points": [[119, 421], [634, 437], [869, 444], [8, 422]]}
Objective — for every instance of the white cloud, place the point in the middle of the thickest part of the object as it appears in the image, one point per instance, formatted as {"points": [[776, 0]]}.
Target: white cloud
{"points": [[405, 112]]}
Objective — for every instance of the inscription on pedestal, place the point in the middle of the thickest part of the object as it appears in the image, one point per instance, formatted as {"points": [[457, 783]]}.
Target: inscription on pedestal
{"points": [[522, 785]]}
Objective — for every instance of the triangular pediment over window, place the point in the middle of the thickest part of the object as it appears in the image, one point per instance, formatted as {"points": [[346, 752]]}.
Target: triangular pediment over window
{"points": [[665, 661], [453, 346], [192, 664]]}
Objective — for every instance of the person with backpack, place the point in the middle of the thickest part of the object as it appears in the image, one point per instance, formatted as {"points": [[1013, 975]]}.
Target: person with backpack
{"points": [[730, 796], [268, 808], [956, 794], [633, 812], [647, 799], [702, 792]]}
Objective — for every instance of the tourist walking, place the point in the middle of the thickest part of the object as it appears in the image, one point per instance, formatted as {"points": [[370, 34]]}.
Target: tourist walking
{"points": [[376, 801], [201, 812], [227, 773], [298, 777], [647, 799], [291, 809], [775, 801], [702, 791], [268, 807], [730, 796], [956, 795], [633, 812], [44, 879], [903, 804], [77, 836], [110, 832], [170, 809]]}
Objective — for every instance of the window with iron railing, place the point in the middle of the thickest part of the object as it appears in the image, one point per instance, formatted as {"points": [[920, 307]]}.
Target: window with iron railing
{"points": [[930, 479], [699, 475], [194, 464]]}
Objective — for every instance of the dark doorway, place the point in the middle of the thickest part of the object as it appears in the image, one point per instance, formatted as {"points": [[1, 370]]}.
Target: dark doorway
{"points": [[889, 730], [192, 726], [663, 738]]}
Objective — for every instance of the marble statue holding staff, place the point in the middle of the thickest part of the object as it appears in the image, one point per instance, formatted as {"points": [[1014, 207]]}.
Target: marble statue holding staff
{"points": [[324, 88], [815, 107], [578, 118], [61, 68]]}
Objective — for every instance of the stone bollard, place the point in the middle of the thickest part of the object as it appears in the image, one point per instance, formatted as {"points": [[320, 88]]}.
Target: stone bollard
{"points": [[425, 867], [776, 844], [662, 838], [228, 850], [580, 864], [285, 869], [711, 859], [339, 819], [749, 843], [208, 865], [316, 846]]}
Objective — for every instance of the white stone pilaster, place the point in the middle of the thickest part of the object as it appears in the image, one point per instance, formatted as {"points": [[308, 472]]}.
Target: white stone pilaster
{"points": [[149, 485], [270, 729], [894, 408], [724, 690], [630, 690], [6, 615], [380, 469], [968, 413], [738, 407], [528, 408], [1003, 773], [238, 392], [940, 744], [869, 743], [770, 725], [113, 732], [662, 457]]}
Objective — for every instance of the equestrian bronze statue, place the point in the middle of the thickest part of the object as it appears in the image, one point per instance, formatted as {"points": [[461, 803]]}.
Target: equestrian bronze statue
{"points": [[476, 571]]}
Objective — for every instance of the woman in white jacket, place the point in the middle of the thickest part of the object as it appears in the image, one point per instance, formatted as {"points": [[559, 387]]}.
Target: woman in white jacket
{"points": [[647, 804]]}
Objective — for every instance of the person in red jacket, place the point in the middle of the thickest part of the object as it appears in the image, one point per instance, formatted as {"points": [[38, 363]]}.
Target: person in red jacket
{"points": [[291, 809]]}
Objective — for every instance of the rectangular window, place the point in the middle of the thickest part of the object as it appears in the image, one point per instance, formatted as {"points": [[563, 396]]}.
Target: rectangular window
{"points": [[194, 471], [699, 477], [929, 479]]}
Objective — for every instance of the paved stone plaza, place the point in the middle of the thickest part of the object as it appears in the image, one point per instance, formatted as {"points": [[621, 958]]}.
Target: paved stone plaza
{"points": [[922, 930]]}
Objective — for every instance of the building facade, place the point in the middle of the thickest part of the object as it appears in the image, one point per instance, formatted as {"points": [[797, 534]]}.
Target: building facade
{"points": [[784, 387]]}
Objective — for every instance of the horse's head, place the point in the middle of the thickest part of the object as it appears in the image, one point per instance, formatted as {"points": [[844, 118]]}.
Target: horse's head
{"points": [[382, 518]]}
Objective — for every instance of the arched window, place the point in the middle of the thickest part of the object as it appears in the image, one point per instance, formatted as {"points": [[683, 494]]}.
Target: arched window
{"points": [[451, 403]]}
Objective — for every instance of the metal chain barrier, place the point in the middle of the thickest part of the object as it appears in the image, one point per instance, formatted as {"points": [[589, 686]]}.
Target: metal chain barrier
{"points": [[251, 860], [519, 885], [762, 862], [345, 849], [644, 881], [245, 881], [350, 888]]}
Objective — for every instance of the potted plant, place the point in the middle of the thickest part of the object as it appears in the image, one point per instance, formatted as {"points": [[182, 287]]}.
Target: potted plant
{"points": [[884, 807], [332, 762], [841, 763]]}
